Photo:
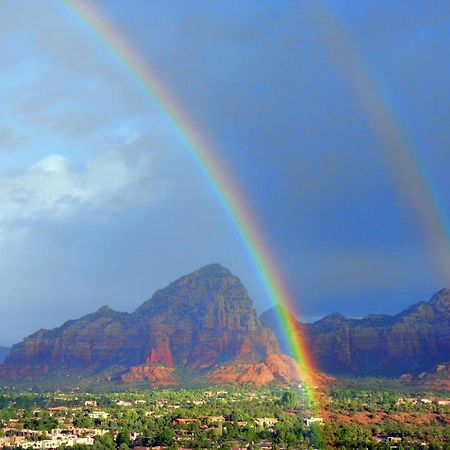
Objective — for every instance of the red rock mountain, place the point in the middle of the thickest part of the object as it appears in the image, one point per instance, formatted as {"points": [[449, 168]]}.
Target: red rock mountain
{"points": [[414, 341], [202, 326]]}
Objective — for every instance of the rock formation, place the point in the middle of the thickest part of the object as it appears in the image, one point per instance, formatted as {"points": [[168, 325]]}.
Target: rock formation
{"points": [[202, 326], [412, 341]]}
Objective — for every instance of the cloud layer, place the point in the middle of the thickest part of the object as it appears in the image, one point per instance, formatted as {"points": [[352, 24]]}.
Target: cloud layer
{"points": [[52, 188]]}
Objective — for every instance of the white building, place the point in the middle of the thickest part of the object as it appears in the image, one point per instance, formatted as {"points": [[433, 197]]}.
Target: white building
{"points": [[98, 415], [311, 420]]}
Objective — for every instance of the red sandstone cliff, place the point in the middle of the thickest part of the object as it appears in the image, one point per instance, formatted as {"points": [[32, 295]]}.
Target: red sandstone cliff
{"points": [[201, 326]]}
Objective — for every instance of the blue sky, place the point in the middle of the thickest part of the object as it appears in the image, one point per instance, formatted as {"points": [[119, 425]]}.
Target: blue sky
{"points": [[101, 204]]}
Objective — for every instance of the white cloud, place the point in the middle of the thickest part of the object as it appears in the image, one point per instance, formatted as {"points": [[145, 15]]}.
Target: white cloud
{"points": [[52, 189]]}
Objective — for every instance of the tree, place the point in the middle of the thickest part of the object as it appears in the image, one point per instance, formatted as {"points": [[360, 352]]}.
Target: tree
{"points": [[123, 438], [289, 398], [164, 436], [316, 435], [105, 442]]}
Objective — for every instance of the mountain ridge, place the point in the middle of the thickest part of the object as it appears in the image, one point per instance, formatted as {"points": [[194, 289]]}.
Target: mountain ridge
{"points": [[411, 341], [202, 325]]}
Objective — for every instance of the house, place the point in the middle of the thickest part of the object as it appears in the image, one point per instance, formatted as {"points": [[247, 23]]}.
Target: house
{"points": [[394, 439], [308, 422], [198, 402], [56, 443], [58, 409], [180, 421], [215, 419], [123, 403], [265, 421], [11, 441], [388, 439], [266, 445], [403, 400], [98, 415], [89, 403]]}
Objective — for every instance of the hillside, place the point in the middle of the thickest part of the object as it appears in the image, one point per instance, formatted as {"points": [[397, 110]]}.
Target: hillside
{"points": [[413, 341]]}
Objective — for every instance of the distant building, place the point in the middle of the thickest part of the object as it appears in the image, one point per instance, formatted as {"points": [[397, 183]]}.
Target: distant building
{"points": [[265, 421], [394, 439], [180, 421], [215, 419], [98, 415], [89, 403], [388, 439], [123, 403], [265, 444], [56, 443], [58, 409], [308, 422]]}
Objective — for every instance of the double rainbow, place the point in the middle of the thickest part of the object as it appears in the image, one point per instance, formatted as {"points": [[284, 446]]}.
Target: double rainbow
{"points": [[394, 143]]}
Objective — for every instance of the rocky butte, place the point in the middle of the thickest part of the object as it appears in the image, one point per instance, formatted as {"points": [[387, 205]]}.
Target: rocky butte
{"points": [[202, 326]]}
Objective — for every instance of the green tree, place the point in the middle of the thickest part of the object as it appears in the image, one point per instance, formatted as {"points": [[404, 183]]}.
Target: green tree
{"points": [[289, 398], [316, 435], [123, 438], [164, 436]]}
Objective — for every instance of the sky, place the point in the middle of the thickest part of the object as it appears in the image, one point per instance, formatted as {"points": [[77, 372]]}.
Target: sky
{"points": [[331, 116]]}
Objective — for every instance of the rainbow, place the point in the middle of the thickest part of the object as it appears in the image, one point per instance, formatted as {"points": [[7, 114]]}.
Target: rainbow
{"points": [[398, 151], [219, 178]]}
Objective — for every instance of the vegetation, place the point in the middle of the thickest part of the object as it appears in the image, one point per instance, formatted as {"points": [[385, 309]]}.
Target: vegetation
{"points": [[228, 418]]}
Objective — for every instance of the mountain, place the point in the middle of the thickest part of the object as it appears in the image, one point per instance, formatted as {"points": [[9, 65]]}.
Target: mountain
{"points": [[413, 341], [201, 326], [3, 352]]}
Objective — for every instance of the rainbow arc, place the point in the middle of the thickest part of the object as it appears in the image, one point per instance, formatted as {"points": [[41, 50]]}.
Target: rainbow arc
{"points": [[213, 168], [394, 143]]}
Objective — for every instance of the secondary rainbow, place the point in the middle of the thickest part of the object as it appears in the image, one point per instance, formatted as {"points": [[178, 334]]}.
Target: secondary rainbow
{"points": [[214, 169], [395, 144]]}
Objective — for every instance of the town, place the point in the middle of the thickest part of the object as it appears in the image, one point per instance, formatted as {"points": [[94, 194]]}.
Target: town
{"points": [[227, 418]]}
